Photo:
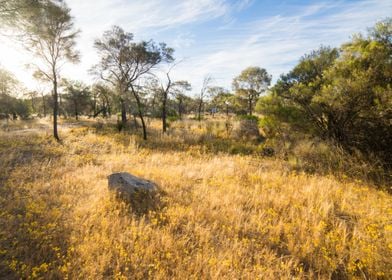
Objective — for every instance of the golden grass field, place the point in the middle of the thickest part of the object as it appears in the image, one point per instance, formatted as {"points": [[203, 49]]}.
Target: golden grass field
{"points": [[224, 212]]}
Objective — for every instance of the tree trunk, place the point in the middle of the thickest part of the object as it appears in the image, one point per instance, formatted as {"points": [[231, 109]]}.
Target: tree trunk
{"points": [[95, 106], [44, 105], [227, 110], [123, 113], [250, 106], [76, 110], [103, 111], [33, 104], [55, 108], [107, 110], [60, 104], [164, 101], [139, 109], [199, 110], [180, 108]]}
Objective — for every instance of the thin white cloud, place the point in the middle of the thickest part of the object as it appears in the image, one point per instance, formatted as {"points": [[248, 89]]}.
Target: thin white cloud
{"points": [[141, 15], [144, 19], [275, 42]]}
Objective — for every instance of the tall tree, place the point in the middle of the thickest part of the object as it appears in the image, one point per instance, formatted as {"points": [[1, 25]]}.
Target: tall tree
{"points": [[114, 49], [222, 99], [203, 95], [8, 82], [8, 87], [78, 96], [168, 87], [252, 82], [124, 62], [165, 88], [179, 89], [50, 36], [102, 98], [32, 94]]}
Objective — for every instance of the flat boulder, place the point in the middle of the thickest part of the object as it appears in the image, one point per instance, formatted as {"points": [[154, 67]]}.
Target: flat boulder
{"points": [[130, 187]]}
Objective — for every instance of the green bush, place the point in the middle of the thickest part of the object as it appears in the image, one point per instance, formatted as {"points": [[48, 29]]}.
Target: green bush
{"points": [[341, 95], [247, 117], [171, 119]]}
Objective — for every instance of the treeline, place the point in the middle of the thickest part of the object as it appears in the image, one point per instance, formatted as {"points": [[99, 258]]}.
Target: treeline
{"points": [[128, 70], [77, 98], [340, 94]]}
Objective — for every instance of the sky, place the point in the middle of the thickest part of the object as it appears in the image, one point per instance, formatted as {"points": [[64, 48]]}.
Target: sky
{"points": [[219, 38]]}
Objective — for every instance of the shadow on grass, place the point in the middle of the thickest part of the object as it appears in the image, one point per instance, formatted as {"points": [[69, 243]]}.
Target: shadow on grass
{"points": [[142, 203], [34, 233]]}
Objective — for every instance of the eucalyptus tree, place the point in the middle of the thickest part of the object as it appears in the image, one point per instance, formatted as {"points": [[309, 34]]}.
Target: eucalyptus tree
{"points": [[77, 95], [8, 82], [172, 88], [250, 84], [102, 99], [179, 90], [12, 12], [32, 95], [123, 63], [50, 36], [114, 49], [203, 95], [8, 87], [221, 99], [166, 88]]}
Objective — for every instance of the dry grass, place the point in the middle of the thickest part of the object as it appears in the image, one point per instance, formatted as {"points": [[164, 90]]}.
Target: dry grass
{"points": [[221, 216]]}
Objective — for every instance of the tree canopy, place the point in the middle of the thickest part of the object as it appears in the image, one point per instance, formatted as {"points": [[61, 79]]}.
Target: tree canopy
{"points": [[342, 94], [51, 37], [123, 62], [252, 82]]}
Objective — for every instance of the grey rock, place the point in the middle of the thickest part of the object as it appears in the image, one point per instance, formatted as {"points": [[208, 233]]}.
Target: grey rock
{"points": [[129, 186]]}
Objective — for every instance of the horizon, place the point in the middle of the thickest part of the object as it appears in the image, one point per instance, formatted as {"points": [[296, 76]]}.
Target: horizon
{"points": [[217, 38]]}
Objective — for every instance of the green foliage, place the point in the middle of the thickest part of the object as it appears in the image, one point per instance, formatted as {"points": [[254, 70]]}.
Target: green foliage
{"points": [[22, 108], [13, 106], [77, 96], [124, 62], [102, 99], [13, 13], [270, 126], [51, 37], [172, 118], [8, 83], [9, 104], [248, 86], [341, 95], [248, 117], [222, 100]]}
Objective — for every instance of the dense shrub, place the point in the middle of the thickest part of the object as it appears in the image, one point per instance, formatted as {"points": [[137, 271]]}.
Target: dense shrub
{"points": [[342, 95]]}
